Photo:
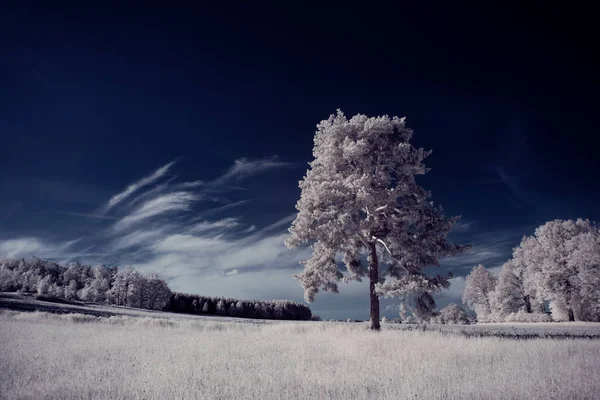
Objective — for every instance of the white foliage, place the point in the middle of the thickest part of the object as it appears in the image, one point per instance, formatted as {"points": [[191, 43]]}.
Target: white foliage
{"points": [[508, 296], [452, 314], [359, 197], [479, 284], [560, 264]]}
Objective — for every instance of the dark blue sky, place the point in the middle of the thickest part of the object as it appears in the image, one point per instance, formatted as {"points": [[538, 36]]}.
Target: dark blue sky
{"points": [[96, 98]]}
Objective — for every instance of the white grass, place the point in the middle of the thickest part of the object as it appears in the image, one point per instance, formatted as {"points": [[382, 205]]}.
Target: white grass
{"points": [[513, 330], [74, 356]]}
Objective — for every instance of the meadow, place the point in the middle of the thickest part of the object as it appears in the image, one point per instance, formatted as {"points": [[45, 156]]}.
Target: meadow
{"points": [[74, 356]]}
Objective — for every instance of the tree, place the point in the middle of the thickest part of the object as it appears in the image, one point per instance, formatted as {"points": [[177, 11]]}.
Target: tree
{"points": [[125, 289], [508, 296], [70, 290], [7, 278], [239, 308], [554, 267], [43, 287], [358, 198], [100, 284], [480, 283], [586, 259], [221, 307], [156, 293]]}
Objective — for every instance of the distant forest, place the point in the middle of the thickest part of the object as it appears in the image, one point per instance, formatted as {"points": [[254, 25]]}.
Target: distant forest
{"points": [[129, 288]]}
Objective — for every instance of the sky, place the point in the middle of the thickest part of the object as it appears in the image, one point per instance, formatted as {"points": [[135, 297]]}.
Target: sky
{"points": [[173, 139]]}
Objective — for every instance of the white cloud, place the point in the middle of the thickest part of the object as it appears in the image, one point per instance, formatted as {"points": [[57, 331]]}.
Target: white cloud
{"points": [[159, 173], [225, 223], [217, 210], [454, 292], [463, 226], [163, 187], [190, 245], [193, 184], [32, 246], [243, 167], [86, 215], [23, 247], [285, 221], [232, 272], [177, 201], [137, 238]]}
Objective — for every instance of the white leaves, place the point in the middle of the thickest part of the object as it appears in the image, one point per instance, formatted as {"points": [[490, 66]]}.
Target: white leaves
{"points": [[452, 314], [559, 264], [361, 189], [478, 285]]}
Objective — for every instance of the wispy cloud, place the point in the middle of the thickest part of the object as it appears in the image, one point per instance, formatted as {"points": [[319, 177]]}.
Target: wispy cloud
{"points": [[142, 237], [217, 210], [463, 226], [491, 248], [87, 215], [33, 246], [160, 224], [189, 185], [162, 188], [202, 252], [244, 167], [159, 173], [283, 222], [177, 201], [225, 223], [23, 247]]}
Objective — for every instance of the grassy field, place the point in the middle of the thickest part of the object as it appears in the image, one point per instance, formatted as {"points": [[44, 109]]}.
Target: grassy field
{"points": [[74, 356]]}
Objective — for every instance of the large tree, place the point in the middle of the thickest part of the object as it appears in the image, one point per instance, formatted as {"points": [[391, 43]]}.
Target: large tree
{"points": [[557, 260], [359, 198], [508, 296]]}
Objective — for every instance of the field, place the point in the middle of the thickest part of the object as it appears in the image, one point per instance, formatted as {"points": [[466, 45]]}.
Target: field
{"points": [[73, 356]]}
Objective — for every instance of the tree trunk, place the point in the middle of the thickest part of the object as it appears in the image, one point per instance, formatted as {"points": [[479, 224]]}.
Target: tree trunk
{"points": [[374, 279], [571, 314], [527, 304]]}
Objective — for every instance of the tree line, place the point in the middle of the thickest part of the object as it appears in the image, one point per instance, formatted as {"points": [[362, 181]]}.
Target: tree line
{"points": [[274, 309], [100, 284], [129, 288], [552, 275]]}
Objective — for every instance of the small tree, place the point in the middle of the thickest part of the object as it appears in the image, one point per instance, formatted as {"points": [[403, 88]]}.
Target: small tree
{"points": [[70, 290], [221, 308], [359, 197], [43, 287], [480, 283]]}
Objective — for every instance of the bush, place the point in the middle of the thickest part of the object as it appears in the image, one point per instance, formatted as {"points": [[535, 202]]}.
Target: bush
{"points": [[452, 314], [527, 317]]}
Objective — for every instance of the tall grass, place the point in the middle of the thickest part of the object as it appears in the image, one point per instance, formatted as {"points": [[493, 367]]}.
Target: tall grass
{"points": [[72, 357]]}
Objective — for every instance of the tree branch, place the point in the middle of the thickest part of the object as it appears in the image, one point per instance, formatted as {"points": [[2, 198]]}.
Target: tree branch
{"points": [[384, 245]]}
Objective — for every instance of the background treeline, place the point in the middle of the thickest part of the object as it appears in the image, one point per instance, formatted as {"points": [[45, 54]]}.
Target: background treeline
{"points": [[552, 275], [275, 309], [99, 284], [129, 288]]}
